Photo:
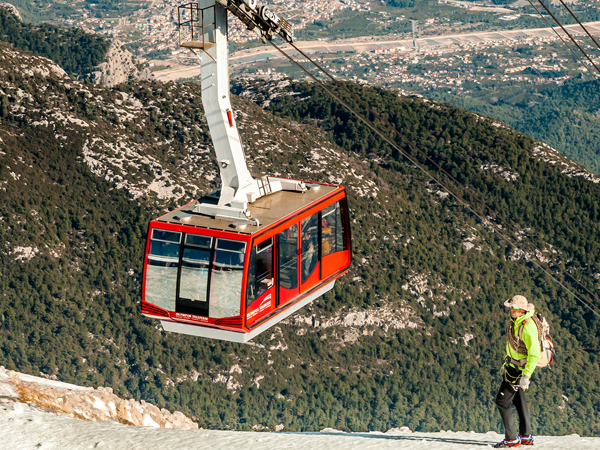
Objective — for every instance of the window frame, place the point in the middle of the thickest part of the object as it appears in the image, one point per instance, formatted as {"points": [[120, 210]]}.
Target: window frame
{"points": [[256, 250], [215, 249]]}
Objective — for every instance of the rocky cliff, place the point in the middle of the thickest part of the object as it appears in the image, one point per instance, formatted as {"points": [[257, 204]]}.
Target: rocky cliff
{"points": [[86, 403], [412, 336], [119, 66], [11, 9]]}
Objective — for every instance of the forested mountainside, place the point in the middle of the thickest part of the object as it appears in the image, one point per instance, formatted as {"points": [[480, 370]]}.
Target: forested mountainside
{"points": [[76, 51], [565, 117], [413, 336]]}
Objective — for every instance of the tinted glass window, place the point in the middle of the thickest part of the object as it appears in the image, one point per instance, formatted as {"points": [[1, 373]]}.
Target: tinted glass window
{"points": [[234, 246], [198, 241], [288, 258], [161, 249], [164, 235], [332, 230], [340, 231], [161, 272], [193, 283], [226, 285], [261, 275], [310, 245]]}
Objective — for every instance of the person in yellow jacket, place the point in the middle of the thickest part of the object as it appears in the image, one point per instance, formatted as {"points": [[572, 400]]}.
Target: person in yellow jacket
{"points": [[523, 351]]}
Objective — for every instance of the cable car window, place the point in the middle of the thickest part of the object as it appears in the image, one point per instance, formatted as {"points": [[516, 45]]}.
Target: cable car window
{"points": [[340, 231], [198, 241], [309, 247], [161, 272], [193, 283], [288, 258], [328, 229], [168, 236], [261, 276], [332, 231], [226, 285], [234, 246]]}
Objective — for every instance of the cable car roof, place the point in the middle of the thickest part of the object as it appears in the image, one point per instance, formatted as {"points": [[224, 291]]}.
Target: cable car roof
{"points": [[268, 210]]}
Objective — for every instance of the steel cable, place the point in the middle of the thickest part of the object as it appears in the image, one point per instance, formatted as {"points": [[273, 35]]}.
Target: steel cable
{"points": [[568, 34], [413, 146], [562, 39], [580, 24], [539, 263]]}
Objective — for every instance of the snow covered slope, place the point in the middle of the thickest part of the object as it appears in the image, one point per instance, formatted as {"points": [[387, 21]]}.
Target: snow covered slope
{"points": [[40, 413], [23, 427]]}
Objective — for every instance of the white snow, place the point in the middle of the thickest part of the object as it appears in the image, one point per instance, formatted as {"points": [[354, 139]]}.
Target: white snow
{"points": [[148, 422], [27, 426], [23, 428]]}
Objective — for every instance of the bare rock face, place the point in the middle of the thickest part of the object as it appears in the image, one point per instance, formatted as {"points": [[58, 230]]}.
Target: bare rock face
{"points": [[120, 66], [12, 9], [87, 403]]}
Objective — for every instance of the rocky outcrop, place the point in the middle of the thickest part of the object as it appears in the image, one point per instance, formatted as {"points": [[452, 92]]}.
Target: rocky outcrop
{"points": [[120, 66], [86, 403], [12, 9]]}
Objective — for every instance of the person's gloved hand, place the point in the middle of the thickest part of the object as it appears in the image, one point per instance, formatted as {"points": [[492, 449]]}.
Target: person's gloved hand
{"points": [[524, 382]]}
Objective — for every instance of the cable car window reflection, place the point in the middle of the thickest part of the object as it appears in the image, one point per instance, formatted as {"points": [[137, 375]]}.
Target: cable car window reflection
{"points": [[198, 241], [332, 230], [328, 230], [167, 236], [161, 272], [193, 283], [261, 277], [310, 241], [288, 258], [226, 285], [340, 232]]}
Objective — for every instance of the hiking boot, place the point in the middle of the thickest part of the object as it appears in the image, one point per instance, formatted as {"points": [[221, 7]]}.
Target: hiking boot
{"points": [[507, 444], [526, 440]]}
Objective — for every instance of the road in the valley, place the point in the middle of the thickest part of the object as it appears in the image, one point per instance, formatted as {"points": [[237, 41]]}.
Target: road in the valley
{"points": [[370, 43]]}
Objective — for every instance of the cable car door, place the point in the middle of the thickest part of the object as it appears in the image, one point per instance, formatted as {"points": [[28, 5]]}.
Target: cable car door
{"points": [[260, 293], [287, 251], [310, 269]]}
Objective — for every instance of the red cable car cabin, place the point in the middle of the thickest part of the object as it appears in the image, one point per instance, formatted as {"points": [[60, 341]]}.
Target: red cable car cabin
{"points": [[218, 279]]}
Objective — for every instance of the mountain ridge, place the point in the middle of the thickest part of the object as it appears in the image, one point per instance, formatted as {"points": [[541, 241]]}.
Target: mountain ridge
{"points": [[83, 168]]}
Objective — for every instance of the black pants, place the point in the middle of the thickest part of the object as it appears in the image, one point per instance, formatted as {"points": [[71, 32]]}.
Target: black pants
{"points": [[507, 395]]}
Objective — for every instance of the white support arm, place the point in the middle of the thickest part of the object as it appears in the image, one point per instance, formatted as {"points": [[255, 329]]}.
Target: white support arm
{"points": [[236, 180]]}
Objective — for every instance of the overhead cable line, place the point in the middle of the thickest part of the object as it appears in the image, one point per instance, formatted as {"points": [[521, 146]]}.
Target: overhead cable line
{"points": [[413, 146], [543, 266], [561, 38], [580, 24], [569, 34]]}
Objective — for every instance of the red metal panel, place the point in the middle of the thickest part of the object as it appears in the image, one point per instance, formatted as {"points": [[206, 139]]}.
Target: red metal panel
{"points": [[146, 263], [334, 262], [301, 297], [150, 310], [260, 307], [312, 280], [198, 230]]}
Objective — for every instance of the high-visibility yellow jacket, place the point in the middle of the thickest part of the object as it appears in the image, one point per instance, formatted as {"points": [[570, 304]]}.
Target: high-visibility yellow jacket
{"points": [[530, 338]]}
